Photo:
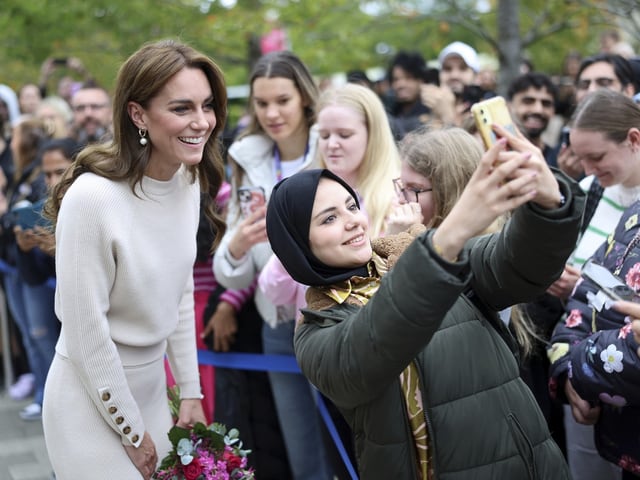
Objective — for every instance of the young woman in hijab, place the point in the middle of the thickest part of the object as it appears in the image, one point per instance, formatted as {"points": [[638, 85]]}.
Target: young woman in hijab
{"points": [[399, 357]]}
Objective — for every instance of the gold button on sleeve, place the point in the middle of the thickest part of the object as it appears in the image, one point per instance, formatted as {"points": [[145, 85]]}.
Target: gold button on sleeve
{"points": [[135, 439], [119, 420], [106, 396], [126, 430], [112, 410]]}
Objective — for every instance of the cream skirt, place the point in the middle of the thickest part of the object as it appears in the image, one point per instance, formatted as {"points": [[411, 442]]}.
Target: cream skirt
{"points": [[79, 442]]}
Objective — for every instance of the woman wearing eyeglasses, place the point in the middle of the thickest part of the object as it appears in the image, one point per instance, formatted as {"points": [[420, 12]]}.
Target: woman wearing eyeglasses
{"points": [[436, 166]]}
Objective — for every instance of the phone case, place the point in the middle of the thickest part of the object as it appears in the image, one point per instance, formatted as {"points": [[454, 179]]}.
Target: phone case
{"points": [[250, 198], [488, 112], [608, 283]]}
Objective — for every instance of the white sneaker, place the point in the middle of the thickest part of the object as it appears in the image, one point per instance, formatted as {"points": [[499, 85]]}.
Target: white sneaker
{"points": [[23, 387], [31, 412]]}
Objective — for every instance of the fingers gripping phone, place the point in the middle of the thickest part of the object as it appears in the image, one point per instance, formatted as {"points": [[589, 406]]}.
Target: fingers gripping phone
{"points": [[610, 285], [250, 199], [488, 112]]}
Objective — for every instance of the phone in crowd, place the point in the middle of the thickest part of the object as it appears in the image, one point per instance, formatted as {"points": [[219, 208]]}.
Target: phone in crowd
{"points": [[59, 61], [29, 215], [612, 286], [250, 199], [431, 76], [494, 110]]}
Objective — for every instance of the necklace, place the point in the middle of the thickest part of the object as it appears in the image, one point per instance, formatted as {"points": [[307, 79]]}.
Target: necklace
{"points": [[278, 161]]}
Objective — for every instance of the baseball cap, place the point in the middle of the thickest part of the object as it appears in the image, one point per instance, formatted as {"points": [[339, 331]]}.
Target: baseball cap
{"points": [[466, 52]]}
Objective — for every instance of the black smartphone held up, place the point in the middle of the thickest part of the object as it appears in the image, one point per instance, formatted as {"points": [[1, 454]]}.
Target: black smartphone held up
{"points": [[612, 286], [60, 61], [250, 199]]}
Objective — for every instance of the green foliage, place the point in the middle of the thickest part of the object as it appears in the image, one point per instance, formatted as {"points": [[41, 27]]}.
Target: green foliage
{"points": [[329, 35]]}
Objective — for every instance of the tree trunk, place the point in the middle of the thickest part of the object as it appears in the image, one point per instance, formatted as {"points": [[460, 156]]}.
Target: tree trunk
{"points": [[509, 44]]}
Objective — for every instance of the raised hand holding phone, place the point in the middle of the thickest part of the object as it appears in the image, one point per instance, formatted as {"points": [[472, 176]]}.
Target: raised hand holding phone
{"points": [[250, 231], [493, 111]]}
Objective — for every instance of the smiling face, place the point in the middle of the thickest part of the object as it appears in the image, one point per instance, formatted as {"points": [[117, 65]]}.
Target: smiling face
{"points": [[343, 141], [456, 74], [613, 163], [279, 108], [338, 230], [533, 108], [179, 121]]}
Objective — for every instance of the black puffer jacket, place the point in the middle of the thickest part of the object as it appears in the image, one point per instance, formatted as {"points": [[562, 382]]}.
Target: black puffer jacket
{"points": [[483, 421]]}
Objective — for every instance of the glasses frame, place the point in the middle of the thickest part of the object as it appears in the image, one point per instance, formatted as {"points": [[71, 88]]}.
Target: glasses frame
{"points": [[400, 189]]}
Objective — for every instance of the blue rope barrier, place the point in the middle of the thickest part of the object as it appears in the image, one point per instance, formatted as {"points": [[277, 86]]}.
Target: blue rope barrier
{"points": [[277, 363], [256, 362]]}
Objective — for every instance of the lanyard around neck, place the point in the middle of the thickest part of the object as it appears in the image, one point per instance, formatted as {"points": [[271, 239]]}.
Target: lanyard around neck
{"points": [[278, 161]]}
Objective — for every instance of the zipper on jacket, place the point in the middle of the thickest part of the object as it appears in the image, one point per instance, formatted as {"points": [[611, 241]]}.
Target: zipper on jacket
{"points": [[430, 438], [523, 445]]}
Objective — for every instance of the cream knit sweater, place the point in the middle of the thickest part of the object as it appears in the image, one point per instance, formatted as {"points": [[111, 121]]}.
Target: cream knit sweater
{"points": [[124, 291]]}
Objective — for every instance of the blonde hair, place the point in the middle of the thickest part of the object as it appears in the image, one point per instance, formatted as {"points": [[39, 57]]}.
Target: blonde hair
{"points": [[448, 157], [381, 161]]}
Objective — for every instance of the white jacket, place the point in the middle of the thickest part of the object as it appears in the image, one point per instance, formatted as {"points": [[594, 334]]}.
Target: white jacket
{"points": [[254, 154]]}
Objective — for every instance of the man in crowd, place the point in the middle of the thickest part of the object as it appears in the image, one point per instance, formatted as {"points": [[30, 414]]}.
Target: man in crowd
{"points": [[408, 112], [91, 107], [532, 99]]}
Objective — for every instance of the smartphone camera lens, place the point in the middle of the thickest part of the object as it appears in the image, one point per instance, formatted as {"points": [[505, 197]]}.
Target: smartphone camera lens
{"points": [[623, 291]]}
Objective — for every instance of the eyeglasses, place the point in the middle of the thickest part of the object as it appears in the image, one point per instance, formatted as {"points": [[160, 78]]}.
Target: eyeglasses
{"points": [[89, 106], [601, 82], [400, 189]]}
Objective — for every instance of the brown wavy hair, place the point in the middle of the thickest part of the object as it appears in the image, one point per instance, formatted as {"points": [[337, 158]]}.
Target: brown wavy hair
{"points": [[139, 80]]}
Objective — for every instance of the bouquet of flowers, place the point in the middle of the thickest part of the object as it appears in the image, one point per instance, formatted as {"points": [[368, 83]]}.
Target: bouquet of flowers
{"points": [[204, 453]]}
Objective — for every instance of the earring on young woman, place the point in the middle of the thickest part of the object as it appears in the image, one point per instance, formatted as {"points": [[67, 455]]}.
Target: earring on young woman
{"points": [[143, 137]]}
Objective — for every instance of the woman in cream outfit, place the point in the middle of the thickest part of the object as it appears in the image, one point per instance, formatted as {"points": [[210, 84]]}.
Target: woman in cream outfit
{"points": [[126, 215]]}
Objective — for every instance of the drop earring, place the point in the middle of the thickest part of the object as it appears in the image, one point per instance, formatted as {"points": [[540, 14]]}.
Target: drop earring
{"points": [[143, 137]]}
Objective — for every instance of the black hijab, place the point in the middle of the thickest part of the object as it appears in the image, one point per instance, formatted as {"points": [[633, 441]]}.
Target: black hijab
{"points": [[288, 221]]}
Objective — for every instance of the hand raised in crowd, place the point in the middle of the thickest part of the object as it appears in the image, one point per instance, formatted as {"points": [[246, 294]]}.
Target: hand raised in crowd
{"points": [[569, 163], [503, 181], [547, 190], [632, 310], [26, 239], [144, 457], [582, 410], [402, 216], [563, 287], [251, 231], [441, 100], [223, 324]]}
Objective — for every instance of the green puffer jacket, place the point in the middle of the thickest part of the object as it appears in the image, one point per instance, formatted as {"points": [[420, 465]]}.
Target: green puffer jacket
{"points": [[482, 419]]}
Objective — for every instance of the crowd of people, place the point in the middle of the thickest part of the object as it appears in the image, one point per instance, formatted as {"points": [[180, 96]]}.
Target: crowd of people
{"points": [[428, 285]]}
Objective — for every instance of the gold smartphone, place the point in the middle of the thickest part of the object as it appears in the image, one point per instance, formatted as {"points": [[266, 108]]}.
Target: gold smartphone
{"points": [[488, 112]]}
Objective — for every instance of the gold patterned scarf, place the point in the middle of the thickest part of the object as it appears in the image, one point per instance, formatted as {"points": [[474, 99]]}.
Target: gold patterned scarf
{"points": [[362, 289]]}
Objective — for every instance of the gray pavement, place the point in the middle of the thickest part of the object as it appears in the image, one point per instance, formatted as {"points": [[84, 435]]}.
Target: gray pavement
{"points": [[23, 454]]}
